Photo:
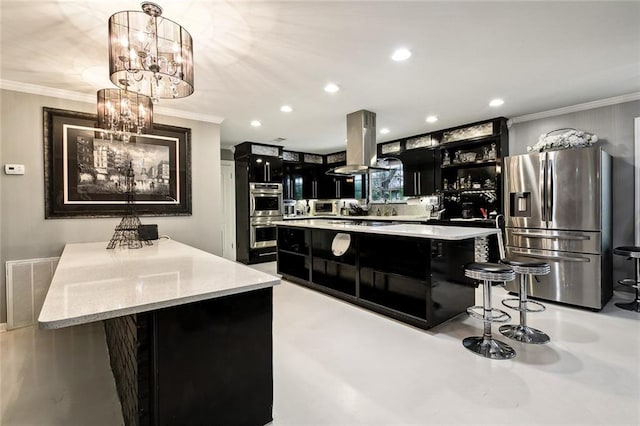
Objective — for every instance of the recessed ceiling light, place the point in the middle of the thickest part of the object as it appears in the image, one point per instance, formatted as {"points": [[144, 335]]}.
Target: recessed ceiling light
{"points": [[256, 123], [384, 130], [286, 108], [496, 102], [432, 119], [401, 54], [331, 88]]}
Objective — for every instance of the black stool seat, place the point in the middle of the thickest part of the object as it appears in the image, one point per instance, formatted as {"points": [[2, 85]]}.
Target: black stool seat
{"points": [[494, 272], [629, 251], [527, 266], [521, 261], [487, 267]]}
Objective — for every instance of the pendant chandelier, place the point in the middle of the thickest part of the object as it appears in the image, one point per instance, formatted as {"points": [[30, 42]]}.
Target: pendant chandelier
{"points": [[124, 113], [150, 54]]}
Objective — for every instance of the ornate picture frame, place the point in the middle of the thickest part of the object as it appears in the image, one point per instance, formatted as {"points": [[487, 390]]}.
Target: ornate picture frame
{"points": [[84, 167]]}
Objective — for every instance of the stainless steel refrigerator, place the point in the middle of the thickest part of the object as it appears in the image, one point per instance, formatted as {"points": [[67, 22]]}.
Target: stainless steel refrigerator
{"points": [[558, 209]]}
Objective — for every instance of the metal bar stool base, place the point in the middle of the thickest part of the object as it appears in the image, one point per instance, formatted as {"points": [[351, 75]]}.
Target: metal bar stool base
{"points": [[489, 348], [524, 334], [631, 306]]}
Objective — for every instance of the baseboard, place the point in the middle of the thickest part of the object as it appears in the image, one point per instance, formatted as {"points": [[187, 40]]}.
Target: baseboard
{"points": [[3, 327]]}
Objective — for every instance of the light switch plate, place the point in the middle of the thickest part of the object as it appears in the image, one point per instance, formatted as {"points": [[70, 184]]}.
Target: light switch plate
{"points": [[14, 169]]}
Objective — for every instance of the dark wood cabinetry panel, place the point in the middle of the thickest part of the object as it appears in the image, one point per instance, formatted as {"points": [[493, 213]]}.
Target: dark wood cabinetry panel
{"points": [[261, 163], [419, 167]]}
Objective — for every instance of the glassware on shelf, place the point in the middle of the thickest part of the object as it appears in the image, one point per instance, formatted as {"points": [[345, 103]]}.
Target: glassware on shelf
{"points": [[493, 153], [445, 184], [456, 159], [445, 159], [469, 183], [485, 153]]}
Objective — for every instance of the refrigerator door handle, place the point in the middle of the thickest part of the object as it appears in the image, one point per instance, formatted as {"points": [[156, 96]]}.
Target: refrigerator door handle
{"points": [[544, 256], [543, 197], [552, 237], [550, 172]]}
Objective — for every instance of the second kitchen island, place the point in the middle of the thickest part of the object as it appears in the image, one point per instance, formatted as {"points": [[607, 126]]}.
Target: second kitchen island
{"points": [[410, 272]]}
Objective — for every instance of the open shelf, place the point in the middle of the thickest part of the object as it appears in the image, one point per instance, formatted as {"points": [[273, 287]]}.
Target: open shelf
{"points": [[334, 275], [396, 256], [294, 253], [393, 291], [467, 191], [293, 264], [469, 164]]}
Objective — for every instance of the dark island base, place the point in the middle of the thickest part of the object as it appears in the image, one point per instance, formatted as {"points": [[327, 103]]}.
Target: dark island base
{"points": [[203, 363], [415, 280]]}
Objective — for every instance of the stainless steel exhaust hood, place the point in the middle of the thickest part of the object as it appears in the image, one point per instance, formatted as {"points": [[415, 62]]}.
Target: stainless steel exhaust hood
{"points": [[361, 144]]}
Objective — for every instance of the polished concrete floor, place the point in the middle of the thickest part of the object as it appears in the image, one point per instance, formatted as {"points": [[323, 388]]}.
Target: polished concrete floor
{"points": [[336, 364]]}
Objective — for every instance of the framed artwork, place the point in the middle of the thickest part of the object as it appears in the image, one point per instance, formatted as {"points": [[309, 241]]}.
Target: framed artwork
{"points": [[85, 169]]}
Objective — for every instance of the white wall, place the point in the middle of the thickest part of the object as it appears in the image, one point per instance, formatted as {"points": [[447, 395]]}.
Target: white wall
{"points": [[26, 234]]}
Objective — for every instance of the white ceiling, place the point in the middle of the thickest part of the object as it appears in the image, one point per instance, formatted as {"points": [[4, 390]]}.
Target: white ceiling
{"points": [[254, 56]]}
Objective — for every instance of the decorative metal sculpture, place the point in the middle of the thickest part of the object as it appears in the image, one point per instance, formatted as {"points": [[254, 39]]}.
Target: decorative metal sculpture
{"points": [[126, 233]]}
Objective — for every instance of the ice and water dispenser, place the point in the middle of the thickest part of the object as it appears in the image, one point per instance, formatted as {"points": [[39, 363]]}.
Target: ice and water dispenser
{"points": [[520, 204]]}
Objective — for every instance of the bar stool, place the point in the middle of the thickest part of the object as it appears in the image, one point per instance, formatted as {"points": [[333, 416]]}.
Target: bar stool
{"points": [[486, 345], [525, 268], [631, 252]]}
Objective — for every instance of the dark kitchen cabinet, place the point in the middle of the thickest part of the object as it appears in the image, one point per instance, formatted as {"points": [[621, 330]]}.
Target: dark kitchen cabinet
{"points": [[263, 162], [311, 177], [418, 171], [334, 187], [265, 169], [313, 169], [292, 175]]}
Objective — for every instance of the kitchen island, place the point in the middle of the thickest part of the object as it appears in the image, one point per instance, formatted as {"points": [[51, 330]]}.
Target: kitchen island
{"points": [[189, 333], [410, 272]]}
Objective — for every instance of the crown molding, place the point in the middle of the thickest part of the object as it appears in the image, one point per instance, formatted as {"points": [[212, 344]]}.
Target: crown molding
{"points": [[34, 89], [575, 108]]}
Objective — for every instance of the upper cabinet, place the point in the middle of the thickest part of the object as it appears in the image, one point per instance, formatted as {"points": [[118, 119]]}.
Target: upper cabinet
{"points": [[419, 162], [263, 162], [292, 175]]}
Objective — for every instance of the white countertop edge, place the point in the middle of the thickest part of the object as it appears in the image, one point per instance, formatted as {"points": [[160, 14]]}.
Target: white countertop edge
{"points": [[452, 233], [49, 324]]}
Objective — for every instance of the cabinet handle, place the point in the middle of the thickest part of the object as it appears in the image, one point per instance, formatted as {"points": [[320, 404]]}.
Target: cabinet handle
{"points": [[419, 183]]}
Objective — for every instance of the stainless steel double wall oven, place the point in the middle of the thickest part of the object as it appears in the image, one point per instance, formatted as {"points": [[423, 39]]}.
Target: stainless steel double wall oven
{"points": [[265, 207]]}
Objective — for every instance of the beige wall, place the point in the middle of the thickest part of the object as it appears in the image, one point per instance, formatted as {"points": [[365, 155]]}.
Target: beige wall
{"points": [[25, 234]]}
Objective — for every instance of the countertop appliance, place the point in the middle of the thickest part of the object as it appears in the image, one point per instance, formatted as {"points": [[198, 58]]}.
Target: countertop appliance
{"points": [[558, 209], [324, 207], [289, 208]]}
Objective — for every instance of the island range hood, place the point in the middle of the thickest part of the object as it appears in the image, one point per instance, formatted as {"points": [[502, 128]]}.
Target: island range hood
{"points": [[361, 144]]}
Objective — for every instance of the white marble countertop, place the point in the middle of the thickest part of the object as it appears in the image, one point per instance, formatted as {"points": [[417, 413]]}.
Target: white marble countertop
{"points": [[92, 283], [438, 232]]}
